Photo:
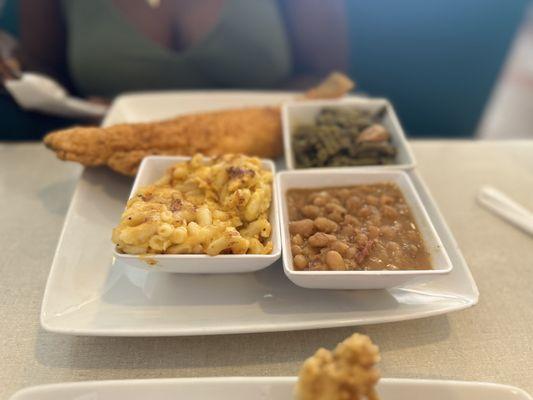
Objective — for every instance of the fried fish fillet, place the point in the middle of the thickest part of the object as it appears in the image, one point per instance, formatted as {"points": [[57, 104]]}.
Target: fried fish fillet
{"points": [[347, 373], [252, 131], [335, 85]]}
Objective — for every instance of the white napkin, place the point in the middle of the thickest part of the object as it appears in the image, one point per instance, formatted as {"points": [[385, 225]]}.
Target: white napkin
{"points": [[38, 92], [505, 207]]}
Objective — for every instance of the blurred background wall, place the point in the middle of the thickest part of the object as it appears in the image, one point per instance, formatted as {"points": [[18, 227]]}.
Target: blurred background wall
{"points": [[9, 16], [509, 113], [436, 60]]}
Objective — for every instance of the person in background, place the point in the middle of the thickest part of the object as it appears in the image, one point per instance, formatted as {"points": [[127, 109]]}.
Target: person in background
{"points": [[101, 48]]}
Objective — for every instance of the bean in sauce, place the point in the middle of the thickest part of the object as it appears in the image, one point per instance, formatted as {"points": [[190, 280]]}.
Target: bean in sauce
{"points": [[363, 227]]}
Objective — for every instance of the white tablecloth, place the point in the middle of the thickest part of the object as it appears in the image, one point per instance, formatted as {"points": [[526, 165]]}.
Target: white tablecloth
{"points": [[491, 342]]}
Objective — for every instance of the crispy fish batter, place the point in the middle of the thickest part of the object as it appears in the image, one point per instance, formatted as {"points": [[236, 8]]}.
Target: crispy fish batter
{"points": [[347, 373], [252, 131], [334, 86]]}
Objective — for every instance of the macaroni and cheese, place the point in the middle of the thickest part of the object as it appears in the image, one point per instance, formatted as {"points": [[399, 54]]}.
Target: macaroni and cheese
{"points": [[202, 206]]}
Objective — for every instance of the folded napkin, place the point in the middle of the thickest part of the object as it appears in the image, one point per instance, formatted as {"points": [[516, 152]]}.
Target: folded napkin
{"points": [[38, 92]]}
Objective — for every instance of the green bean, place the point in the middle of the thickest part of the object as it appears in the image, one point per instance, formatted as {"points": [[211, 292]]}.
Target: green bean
{"points": [[332, 140]]}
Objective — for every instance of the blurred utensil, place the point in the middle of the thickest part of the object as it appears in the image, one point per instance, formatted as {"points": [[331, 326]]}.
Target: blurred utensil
{"points": [[37, 92], [506, 208], [41, 93]]}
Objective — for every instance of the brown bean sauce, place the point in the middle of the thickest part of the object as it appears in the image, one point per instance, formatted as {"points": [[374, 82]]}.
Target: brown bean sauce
{"points": [[363, 227]]}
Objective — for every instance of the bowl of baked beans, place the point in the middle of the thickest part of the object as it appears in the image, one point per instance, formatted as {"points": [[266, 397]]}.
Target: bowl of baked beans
{"points": [[356, 229]]}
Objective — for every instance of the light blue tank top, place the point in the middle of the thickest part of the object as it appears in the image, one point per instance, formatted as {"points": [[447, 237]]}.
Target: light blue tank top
{"points": [[107, 55]]}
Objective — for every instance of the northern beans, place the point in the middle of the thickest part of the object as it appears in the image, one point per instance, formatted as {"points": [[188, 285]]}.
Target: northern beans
{"points": [[363, 227]]}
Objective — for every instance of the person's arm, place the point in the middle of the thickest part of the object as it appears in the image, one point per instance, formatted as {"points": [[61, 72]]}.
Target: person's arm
{"points": [[9, 64], [42, 38], [319, 35]]}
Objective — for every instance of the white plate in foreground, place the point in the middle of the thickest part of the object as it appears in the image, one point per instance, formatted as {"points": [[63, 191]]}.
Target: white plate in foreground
{"points": [[87, 295], [249, 388]]}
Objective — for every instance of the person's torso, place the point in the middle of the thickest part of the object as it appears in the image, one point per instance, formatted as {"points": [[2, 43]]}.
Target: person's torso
{"points": [[107, 54]]}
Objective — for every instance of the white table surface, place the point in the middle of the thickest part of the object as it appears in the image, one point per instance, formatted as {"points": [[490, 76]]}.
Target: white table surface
{"points": [[491, 342]]}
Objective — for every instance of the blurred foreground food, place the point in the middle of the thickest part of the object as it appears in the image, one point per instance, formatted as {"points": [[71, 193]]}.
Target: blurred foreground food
{"points": [[346, 373]]}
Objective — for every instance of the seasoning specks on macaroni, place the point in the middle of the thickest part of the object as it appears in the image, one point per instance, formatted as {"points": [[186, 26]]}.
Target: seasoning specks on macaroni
{"points": [[206, 205]]}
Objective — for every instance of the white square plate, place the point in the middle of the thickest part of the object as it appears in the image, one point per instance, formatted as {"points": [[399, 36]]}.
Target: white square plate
{"points": [[154, 167], [331, 177], [298, 113], [86, 294], [250, 388]]}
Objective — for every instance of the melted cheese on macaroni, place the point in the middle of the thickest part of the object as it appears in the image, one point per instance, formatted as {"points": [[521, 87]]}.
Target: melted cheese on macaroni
{"points": [[203, 206]]}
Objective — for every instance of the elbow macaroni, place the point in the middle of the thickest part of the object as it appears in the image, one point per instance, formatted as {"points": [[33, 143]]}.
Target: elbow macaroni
{"points": [[210, 206]]}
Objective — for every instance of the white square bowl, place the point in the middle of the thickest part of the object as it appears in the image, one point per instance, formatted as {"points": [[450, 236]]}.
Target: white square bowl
{"points": [[154, 167], [331, 177], [304, 112]]}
